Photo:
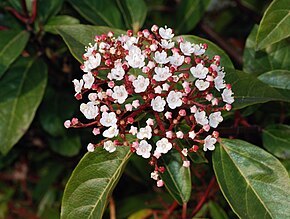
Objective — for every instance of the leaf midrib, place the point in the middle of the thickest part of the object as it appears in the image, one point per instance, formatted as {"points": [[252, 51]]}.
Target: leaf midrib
{"points": [[247, 181]]}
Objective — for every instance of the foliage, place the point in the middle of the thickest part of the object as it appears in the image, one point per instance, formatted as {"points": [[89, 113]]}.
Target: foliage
{"points": [[45, 168]]}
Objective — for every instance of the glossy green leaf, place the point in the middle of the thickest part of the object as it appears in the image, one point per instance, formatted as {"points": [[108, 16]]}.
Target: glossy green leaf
{"points": [[47, 9], [254, 182], [273, 57], [12, 43], [248, 90], [55, 21], [22, 89], [78, 36], [212, 50], [276, 139], [134, 13], [99, 12], [92, 182], [216, 211], [277, 78], [274, 25], [189, 12], [68, 145], [144, 213], [286, 164], [176, 178]]}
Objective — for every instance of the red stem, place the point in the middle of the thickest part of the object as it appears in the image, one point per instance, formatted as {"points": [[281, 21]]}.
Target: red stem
{"points": [[184, 208], [203, 199], [24, 8], [34, 11], [159, 122], [16, 14], [170, 210]]}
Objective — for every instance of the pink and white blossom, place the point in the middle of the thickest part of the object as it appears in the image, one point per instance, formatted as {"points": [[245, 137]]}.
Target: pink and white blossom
{"points": [[174, 99], [163, 146], [158, 104], [109, 146], [144, 149], [140, 84], [120, 94], [209, 142], [90, 110]]}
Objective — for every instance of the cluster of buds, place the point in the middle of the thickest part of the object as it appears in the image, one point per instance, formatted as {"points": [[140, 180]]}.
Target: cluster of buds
{"points": [[150, 92]]}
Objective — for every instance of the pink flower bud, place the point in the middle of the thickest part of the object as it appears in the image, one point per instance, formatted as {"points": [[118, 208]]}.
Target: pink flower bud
{"points": [[169, 134], [90, 147], [131, 78], [168, 115], [186, 163], [160, 183], [135, 103], [129, 107], [228, 107], [156, 154], [111, 84], [215, 134], [187, 60], [146, 33], [184, 152], [135, 144], [74, 121], [179, 134], [104, 108], [154, 28], [206, 127], [67, 124], [209, 97], [96, 131], [150, 122], [180, 39], [214, 102], [130, 120], [145, 69], [129, 33], [193, 109], [182, 112]]}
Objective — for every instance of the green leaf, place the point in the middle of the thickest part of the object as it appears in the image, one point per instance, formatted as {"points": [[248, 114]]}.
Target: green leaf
{"points": [[216, 211], [254, 182], [68, 145], [176, 177], [134, 13], [275, 24], [273, 57], [92, 182], [144, 213], [212, 50], [78, 36], [55, 21], [189, 12], [248, 90], [276, 139], [277, 78], [12, 43], [99, 12], [22, 89], [47, 9]]}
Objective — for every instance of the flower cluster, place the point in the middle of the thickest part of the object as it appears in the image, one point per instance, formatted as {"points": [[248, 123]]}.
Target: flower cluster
{"points": [[151, 92]]}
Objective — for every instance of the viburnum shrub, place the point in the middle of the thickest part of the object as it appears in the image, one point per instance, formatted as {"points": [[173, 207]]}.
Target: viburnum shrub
{"points": [[150, 92]]}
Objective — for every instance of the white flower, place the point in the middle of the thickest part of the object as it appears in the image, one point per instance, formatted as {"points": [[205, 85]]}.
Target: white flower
{"points": [[92, 63], [199, 71], [111, 132], [135, 58], [161, 57], [117, 73], [187, 48], [90, 110], [120, 94], [219, 83], [161, 74], [90, 147], [158, 104], [198, 49], [90, 50], [140, 84], [78, 84], [93, 97], [174, 99], [201, 85], [163, 146], [166, 44], [144, 149], [89, 80], [145, 133], [154, 175], [108, 119], [133, 130], [179, 134], [209, 143], [186, 163], [184, 152], [191, 134], [215, 119], [129, 42], [109, 146], [166, 33], [200, 117], [227, 96], [176, 59]]}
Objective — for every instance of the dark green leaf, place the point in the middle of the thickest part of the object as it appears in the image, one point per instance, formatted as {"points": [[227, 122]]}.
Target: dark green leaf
{"points": [[22, 89], [277, 78], [254, 182], [47, 9], [176, 178], [275, 24], [273, 57], [248, 90], [78, 36], [189, 12], [276, 139], [134, 13], [99, 12], [12, 43], [212, 50], [286, 164], [53, 22], [68, 145], [92, 182], [216, 211]]}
